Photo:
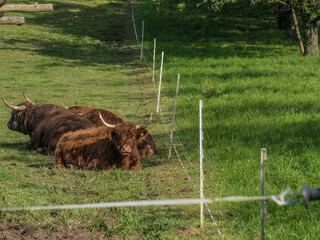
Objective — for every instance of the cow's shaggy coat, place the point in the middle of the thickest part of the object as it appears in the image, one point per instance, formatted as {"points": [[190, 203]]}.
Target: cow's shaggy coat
{"points": [[99, 148], [145, 143], [92, 114], [45, 124]]}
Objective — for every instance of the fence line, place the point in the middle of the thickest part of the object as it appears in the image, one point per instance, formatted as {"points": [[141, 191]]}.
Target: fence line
{"points": [[173, 143], [142, 203], [154, 58], [134, 25], [174, 114], [160, 81], [194, 186], [136, 35], [142, 40]]}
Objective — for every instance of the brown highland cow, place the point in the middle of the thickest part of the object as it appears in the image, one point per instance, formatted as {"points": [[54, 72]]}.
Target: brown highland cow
{"points": [[44, 123], [146, 145], [102, 148]]}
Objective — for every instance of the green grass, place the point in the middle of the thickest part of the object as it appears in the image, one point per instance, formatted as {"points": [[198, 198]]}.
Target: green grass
{"points": [[257, 91]]}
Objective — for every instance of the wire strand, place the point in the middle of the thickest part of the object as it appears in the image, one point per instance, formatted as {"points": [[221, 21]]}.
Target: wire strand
{"points": [[168, 132]]}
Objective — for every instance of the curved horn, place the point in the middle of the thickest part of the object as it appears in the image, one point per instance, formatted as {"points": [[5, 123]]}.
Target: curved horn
{"points": [[28, 100], [105, 123], [18, 108], [147, 123]]}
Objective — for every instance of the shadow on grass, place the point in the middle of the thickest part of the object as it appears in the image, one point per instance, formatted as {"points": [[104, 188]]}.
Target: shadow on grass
{"points": [[22, 155], [105, 22], [44, 165], [237, 30], [89, 34], [21, 146], [156, 160], [31, 159], [102, 33]]}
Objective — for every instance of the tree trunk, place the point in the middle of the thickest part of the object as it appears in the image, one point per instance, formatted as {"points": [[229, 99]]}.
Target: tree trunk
{"points": [[311, 39], [296, 27], [291, 28]]}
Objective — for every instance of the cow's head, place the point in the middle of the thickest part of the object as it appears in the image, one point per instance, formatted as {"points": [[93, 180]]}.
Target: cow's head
{"points": [[125, 135], [18, 120]]}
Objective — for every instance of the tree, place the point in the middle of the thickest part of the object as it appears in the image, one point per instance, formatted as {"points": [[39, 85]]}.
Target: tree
{"points": [[310, 15]]}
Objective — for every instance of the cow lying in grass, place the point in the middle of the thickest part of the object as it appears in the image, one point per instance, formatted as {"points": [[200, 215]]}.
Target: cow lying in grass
{"points": [[92, 114], [44, 123], [101, 148], [146, 145]]}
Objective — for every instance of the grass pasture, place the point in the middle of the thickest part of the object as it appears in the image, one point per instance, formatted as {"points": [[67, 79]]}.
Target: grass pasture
{"points": [[257, 92]]}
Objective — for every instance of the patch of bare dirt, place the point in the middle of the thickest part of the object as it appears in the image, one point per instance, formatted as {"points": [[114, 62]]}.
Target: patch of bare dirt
{"points": [[189, 231], [187, 190], [19, 232]]}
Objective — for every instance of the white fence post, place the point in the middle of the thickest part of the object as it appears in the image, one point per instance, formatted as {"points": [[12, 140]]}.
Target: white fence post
{"points": [[201, 164], [154, 59], [134, 25], [142, 40], [161, 68], [262, 208], [174, 113]]}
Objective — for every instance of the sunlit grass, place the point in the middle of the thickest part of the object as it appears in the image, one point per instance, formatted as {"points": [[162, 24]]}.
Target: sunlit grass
{"points": [[257, 91]]}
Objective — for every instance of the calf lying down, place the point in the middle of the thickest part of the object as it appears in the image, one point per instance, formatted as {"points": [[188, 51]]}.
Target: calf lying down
{"points": [[101, 148]]}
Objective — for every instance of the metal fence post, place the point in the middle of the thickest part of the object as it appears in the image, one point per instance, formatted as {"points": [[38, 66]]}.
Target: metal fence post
{"points": [[160, 80], [201, 165], [174, 114], [262, 208]]}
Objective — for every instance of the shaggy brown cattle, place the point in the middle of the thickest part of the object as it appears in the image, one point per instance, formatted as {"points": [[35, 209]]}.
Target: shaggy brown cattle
{"points": [[44, 123], [92, 114], [146, 145], [102, 148]]}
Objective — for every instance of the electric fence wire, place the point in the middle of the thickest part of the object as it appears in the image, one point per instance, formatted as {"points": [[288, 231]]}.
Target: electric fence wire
{"points": [[167, 131], [279, 199], [135, 32]]}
